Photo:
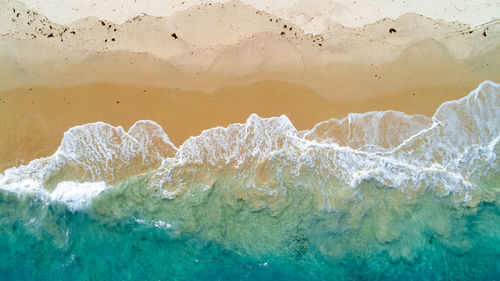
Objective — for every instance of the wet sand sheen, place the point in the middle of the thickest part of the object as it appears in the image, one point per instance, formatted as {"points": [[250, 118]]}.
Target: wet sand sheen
{"points": [[54, 77], [34, 119]]}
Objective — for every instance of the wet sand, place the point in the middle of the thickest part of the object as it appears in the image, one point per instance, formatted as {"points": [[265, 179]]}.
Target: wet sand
{"points": [[171, 71], [34, 119]]}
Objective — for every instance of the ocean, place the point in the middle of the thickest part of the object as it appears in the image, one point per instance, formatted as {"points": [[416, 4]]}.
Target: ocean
{"points": [[373, 196]]}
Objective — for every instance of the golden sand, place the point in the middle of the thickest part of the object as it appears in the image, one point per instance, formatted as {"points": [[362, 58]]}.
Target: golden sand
{"points": [[34, 119], [54, 77]]}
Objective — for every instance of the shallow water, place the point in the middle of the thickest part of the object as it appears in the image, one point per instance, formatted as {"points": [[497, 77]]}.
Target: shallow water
{"points": [[130, 234], [373, 196]]}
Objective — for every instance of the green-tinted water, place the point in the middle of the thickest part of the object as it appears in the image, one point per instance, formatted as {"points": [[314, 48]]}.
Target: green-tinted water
{"points": [[375, 196], [131, 233]]}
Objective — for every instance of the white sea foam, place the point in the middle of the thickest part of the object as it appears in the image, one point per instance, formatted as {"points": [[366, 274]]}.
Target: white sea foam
{"points": [[237, 143], [448, 153], [371, 131], [99, 152], [77, 195], [156, 223], [402, 151]]}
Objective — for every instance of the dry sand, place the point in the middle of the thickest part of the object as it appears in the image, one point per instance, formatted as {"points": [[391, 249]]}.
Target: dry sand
{"points": [[312, 16]]}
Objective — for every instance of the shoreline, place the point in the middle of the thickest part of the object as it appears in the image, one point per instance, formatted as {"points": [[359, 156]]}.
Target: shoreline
{"points": [[36, 119], [169, 70]]}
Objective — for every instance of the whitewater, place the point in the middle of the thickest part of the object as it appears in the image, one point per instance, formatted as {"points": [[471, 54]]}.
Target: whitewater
{"points": [[377, 195]]}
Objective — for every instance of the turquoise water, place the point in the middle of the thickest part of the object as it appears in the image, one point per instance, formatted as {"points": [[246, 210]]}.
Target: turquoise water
{"points": [[374, 196], [432, 239]]}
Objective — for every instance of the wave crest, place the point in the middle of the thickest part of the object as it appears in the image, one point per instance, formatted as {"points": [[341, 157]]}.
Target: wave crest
{"points": [[371, 131], [265, 158], [99, 152]]}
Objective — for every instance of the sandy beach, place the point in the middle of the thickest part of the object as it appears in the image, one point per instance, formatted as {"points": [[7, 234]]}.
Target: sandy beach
{"points": [[36, 118], [249, 140], [169, 70]]}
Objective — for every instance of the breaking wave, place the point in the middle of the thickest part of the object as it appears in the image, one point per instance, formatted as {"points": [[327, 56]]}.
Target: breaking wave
{"points": [[377, 195], [450, 154]]}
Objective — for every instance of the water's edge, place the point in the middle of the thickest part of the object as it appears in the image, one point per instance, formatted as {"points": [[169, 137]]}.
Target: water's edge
{"points": [[380, 195]]}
